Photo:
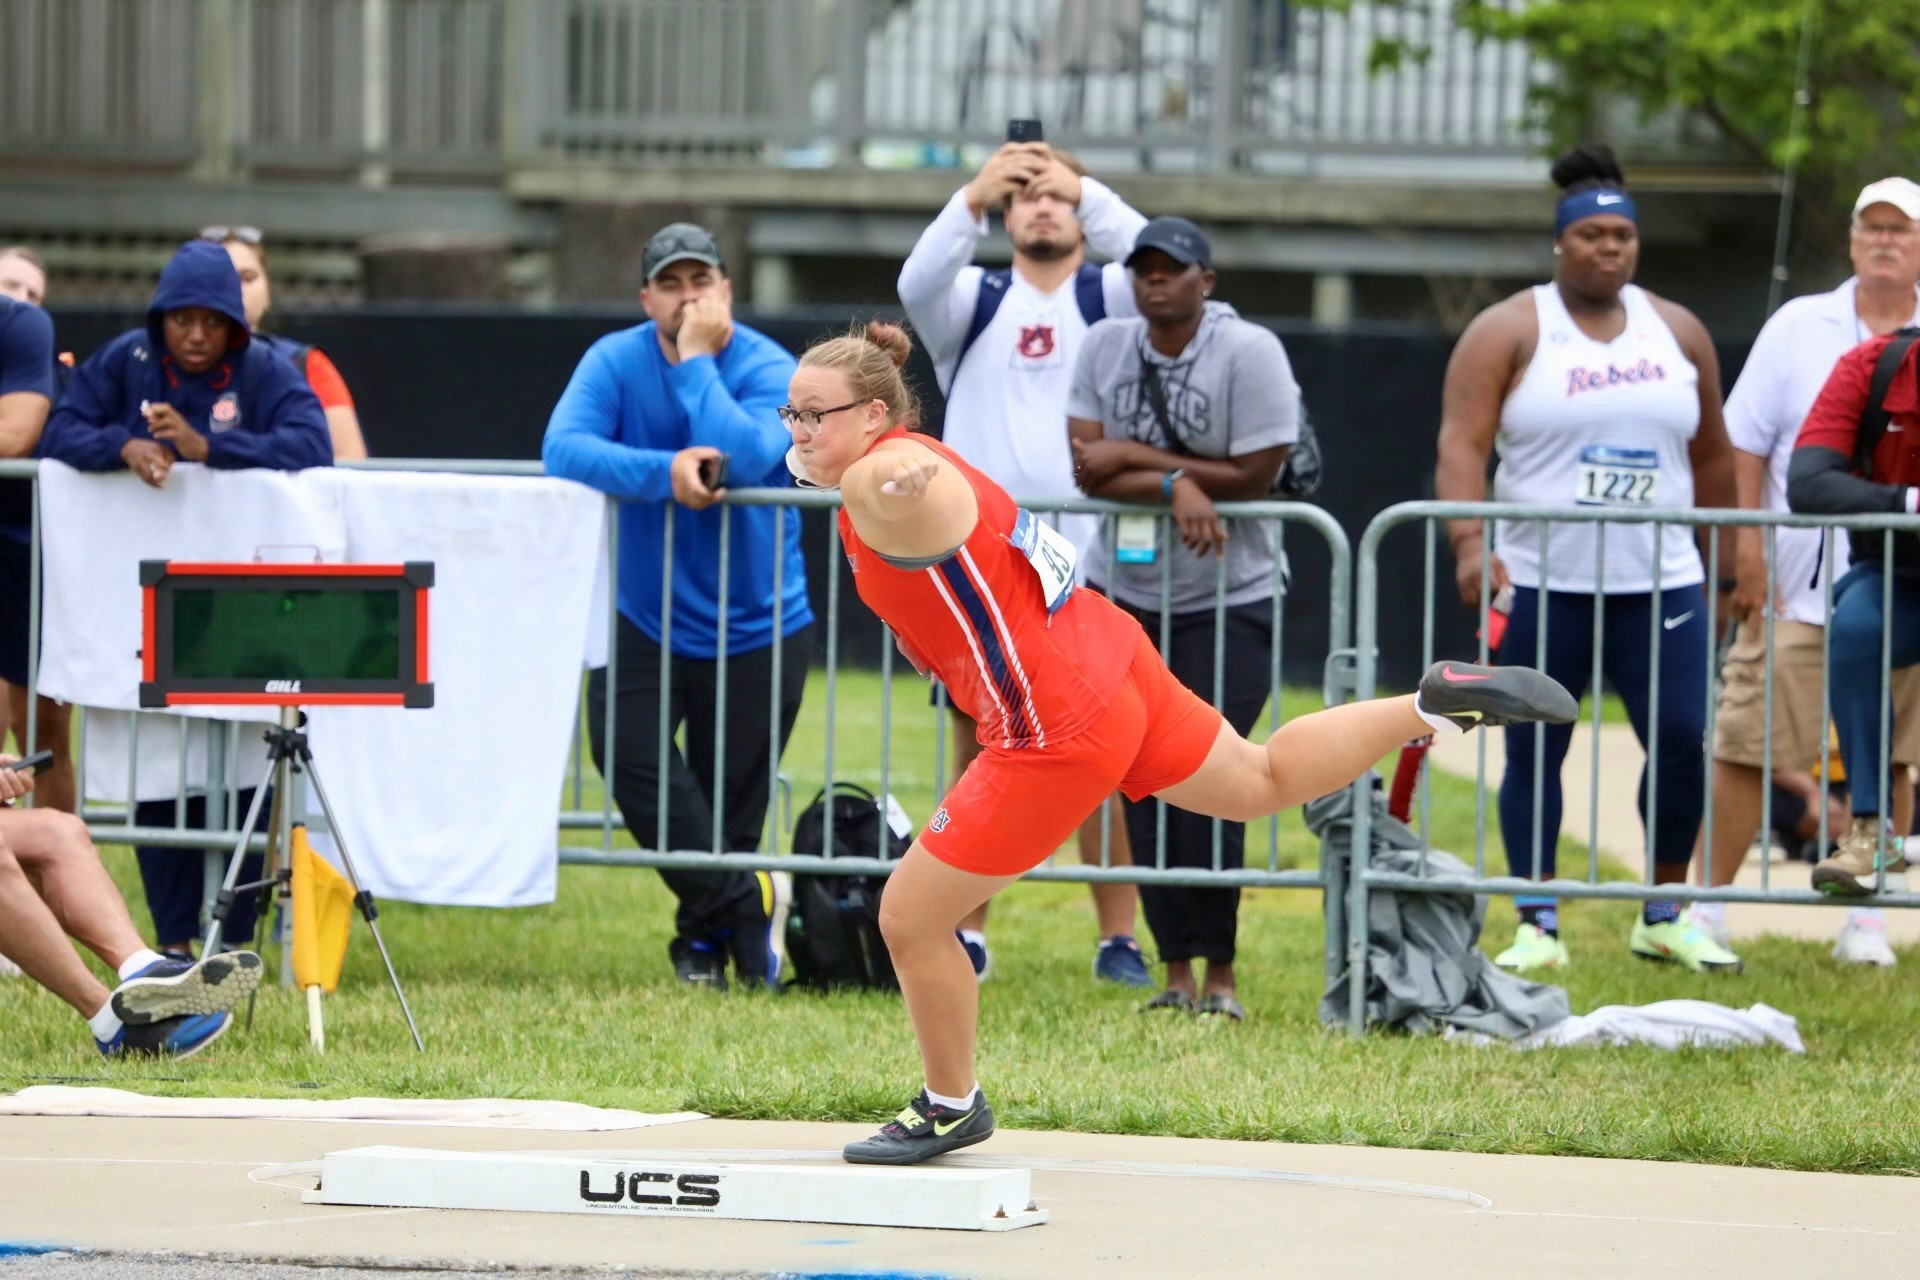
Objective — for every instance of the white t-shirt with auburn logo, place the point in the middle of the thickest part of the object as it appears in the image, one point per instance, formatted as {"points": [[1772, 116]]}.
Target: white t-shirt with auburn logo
{"points": [[1007, 402]]}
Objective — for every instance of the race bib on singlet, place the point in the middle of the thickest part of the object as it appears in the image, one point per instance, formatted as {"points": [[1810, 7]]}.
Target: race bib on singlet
{"points": [[1610, 477], [1052, 555]]}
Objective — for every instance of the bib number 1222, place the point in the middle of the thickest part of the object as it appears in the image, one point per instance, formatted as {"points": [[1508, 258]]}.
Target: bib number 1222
{"points": [[1617, 477]]}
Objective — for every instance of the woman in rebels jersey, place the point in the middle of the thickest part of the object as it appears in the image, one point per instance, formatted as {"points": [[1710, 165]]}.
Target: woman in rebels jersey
{"points": [[1064, 687]]}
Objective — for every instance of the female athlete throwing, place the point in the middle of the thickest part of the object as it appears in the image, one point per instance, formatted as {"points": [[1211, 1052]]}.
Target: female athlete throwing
{"points": [[1070, 696]]}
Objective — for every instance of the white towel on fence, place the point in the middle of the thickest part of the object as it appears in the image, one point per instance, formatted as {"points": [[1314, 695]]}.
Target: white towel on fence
{"points": [[1665, 1024], [463, 799], [458, 804]]}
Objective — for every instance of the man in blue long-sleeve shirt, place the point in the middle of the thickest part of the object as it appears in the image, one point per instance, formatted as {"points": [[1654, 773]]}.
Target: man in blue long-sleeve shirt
{"points": [[645, 409]]}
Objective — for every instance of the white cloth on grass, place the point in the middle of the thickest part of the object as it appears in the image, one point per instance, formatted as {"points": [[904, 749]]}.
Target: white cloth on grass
{"points": [[457, 804], [1665, 1024], [468, 1113]]}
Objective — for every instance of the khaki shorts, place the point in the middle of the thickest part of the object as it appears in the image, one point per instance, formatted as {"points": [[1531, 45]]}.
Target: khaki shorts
{"points": [[1740, 723]]}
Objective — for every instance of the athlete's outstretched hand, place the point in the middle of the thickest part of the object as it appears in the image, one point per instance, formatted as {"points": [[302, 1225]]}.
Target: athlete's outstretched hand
{"points": [[909, 476]]}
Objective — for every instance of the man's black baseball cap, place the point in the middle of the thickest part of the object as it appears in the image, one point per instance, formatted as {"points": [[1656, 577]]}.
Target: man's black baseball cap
{"points": [[680, 242], [1179, 239]]}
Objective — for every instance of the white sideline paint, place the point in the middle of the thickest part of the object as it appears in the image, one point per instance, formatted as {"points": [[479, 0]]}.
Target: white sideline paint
{"points": [[640, 1184], [466, 1113]]}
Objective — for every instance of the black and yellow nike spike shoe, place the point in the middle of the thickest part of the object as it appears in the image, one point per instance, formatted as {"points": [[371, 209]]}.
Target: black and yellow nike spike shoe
{"points": [[1483, 697], [924, 1130]]}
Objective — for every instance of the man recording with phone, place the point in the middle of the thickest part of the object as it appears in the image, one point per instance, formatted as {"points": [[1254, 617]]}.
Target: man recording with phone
{"points": [[53, 888], [1003, 344], [663, 417]]}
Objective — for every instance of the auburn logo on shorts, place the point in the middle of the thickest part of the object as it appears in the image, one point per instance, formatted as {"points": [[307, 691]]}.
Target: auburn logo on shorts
{"points": [[1036, 341], [940, 820]]}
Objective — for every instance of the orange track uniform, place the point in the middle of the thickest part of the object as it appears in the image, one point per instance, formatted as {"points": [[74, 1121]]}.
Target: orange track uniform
{"points": [[1070, 696]]}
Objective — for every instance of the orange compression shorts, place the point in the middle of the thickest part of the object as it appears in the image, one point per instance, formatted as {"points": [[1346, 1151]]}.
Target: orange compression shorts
{"points": [[1011, 809]]}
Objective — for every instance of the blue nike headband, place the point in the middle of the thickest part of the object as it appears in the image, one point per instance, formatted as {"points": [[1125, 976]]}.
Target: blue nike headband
{"points": [[1584, 204]]}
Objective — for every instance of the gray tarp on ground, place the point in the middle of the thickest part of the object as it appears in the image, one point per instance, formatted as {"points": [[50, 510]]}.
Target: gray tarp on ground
{"points": [[1425, 970]]}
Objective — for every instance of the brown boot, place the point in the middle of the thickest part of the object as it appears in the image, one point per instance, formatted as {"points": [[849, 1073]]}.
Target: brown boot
{"points": [[1850, 871]]}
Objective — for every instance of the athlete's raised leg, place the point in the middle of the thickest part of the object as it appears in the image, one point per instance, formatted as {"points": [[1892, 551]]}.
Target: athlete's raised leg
{"points": [[1319, 753]]}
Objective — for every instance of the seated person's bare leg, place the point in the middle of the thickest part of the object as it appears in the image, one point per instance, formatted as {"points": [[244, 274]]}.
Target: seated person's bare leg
{"points": [[56, 852], [32, 938]]}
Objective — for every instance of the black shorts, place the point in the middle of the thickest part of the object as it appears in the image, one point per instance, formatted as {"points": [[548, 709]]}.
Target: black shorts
{"points": [[16, 579]]}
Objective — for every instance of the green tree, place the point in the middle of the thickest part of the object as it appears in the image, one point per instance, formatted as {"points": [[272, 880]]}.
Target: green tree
{"points": [[1734, 64]]}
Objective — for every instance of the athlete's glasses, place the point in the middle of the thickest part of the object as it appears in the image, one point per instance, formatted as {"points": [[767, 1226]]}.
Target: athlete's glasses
{"points": [[811, 420]]}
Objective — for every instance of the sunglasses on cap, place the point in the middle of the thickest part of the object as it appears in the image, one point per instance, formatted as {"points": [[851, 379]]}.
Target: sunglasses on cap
{"points": [[245, 235]]}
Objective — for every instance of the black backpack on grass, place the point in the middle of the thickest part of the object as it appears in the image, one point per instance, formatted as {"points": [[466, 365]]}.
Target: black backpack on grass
{"points": [[833, 928]]}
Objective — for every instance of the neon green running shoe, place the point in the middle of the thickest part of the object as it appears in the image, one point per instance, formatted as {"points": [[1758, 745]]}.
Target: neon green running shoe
{"points": [[1534, 948], [1681, 942]]}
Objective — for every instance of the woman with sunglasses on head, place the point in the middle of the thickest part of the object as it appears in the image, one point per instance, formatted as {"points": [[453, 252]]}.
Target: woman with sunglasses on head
{"points": [[247, 247], [1070, 696]]}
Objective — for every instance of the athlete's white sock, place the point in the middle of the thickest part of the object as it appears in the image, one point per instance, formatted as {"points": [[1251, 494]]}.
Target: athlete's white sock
{"points": [[105, 1024], [954, 1104], [1440, 723], [138, 961]]}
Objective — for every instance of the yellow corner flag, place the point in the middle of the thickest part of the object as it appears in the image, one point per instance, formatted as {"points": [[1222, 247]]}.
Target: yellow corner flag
{"points": [[322, 913]]}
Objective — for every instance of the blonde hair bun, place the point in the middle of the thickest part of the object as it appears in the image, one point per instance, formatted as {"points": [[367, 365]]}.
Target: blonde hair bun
{"points": [[892, 339]]}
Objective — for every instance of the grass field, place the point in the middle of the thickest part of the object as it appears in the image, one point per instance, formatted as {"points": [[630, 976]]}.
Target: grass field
{"points": [[575, 1001]]}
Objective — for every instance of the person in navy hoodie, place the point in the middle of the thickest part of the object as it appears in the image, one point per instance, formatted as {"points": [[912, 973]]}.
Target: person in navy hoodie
{"points": [[191, 386]]}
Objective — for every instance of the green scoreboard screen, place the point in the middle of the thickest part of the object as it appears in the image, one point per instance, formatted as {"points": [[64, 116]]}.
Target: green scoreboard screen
{"points": [[236, 634]]}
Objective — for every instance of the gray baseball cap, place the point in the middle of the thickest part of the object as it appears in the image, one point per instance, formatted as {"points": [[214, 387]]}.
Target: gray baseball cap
{"points": [[680, 242], [1178, 238]]}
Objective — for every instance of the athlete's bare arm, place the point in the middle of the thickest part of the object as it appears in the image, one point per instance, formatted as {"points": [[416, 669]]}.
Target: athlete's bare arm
{"points": [[904, 500], [1486, 365]]}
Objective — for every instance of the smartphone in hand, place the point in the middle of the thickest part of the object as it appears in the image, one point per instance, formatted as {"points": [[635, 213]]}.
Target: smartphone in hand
{"points": [[1025, 131], [713, 473], [37, 763]]}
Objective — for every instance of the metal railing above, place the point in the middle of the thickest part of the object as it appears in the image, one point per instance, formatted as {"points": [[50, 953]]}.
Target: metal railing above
{"points": [[1203, 86]]}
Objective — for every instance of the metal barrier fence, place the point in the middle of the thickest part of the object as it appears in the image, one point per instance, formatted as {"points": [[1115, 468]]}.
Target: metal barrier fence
{"points": [[1718, 562], [1349, 671], [788, 504], [425, 85], [116, 823]]}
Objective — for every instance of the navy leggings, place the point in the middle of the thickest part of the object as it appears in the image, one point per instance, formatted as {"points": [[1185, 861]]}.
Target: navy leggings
{"points": [[1626, 662]]}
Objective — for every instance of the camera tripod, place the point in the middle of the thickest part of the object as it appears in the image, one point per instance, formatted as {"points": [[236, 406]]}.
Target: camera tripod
{"points": [[289, 755]]}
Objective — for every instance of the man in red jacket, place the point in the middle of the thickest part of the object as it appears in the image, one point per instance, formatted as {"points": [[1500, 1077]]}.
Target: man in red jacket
{"points": [[1827, 478]]}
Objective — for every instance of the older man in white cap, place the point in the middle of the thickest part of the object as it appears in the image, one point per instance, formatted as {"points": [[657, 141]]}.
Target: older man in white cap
{"points": [[1789, 364]]}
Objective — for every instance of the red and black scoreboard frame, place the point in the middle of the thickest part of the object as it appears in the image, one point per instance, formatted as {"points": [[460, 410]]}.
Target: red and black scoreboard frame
{"points": [[161, 686]]}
